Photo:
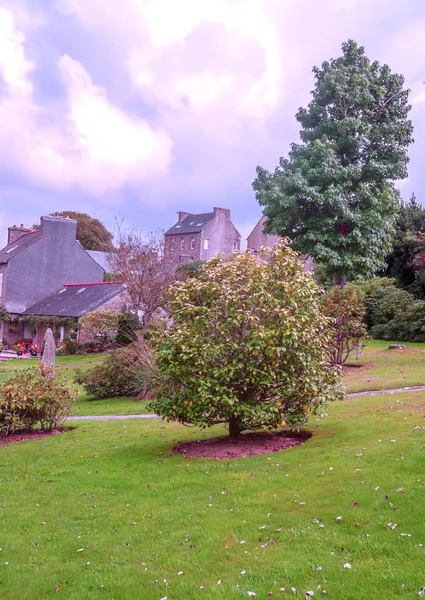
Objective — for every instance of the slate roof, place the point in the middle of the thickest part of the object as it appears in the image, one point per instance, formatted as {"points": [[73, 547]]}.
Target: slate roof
{"points": [[75, 299], [102, 259], [191, 224], [16, 247]]}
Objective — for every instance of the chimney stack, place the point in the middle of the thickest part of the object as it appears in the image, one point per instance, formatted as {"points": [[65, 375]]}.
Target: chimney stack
{"points": [[14, 233], [183, 215], [225, 212]]}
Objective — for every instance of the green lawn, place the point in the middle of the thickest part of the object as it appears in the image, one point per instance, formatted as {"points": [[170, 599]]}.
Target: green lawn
{"points": [[382, 368], [378, 368], [67, 366], [107, 510]]}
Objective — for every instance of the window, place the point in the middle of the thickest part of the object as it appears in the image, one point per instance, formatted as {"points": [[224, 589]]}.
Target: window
{"points": [[1, 282], [192, 243], [235, 247], [172, 245], [61, 333], [181, 243], [206, 243]]}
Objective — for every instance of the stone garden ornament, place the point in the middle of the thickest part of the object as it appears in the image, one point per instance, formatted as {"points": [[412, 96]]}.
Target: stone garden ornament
{"points": [[49, 354]]}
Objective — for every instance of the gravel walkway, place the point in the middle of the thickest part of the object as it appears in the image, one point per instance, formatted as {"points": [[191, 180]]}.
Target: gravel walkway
{"points": [[112, 417], [416, 388]]}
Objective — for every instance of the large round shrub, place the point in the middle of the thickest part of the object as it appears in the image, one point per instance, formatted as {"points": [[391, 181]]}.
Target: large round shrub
{"points": [[247, 346], [31, 398]]}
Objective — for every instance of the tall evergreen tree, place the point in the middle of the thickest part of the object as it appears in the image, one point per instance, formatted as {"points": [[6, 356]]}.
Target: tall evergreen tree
{"points": [[334, 196]]}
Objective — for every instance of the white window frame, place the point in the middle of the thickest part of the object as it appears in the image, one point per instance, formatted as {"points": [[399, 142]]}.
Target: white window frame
{"points": [[181, 243], [206, 243], [192, 243]]}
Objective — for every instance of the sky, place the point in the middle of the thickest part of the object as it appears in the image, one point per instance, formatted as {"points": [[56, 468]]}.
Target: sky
{"points": [[133, 110]]}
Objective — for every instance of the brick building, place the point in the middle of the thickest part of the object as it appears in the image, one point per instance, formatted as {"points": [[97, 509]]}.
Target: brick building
{"points": [[201, 236]]}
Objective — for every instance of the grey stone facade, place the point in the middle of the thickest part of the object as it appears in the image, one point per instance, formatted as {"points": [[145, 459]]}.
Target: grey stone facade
{"points": [[201, 236], [257, 238], [34, 268]]}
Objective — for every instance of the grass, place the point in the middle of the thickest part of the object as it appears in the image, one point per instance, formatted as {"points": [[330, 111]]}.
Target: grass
{"points": [[67, 367], [382, 368], [377, 369], [107, 510]]}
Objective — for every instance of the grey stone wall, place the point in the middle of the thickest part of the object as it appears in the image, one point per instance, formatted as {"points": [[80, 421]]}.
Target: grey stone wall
{"points": [[42, 268], [258, 238], [222, 235]]}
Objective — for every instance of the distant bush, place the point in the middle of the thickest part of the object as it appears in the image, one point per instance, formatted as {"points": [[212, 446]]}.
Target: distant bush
{"points": [[69, 347], [372, 291], [122, 373], [128, 326], [29, 399], [89, 347], [392, 313], [345, 308]]}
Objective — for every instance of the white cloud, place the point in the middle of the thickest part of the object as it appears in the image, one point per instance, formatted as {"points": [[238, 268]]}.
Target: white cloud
{"points": [[14, 67], [95, 146]]}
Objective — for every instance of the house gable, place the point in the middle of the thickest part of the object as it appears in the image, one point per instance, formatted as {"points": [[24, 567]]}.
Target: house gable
{"points": [[43, 261]]}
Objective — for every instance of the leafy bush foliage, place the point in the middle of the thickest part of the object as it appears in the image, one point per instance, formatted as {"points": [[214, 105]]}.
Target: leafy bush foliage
{"points": [[392, 313], [128, 326], [346, 310], [29, 399], [122, 373], [69, 347], [100, 325], [89, 347], [371, 292], [247, 346]]}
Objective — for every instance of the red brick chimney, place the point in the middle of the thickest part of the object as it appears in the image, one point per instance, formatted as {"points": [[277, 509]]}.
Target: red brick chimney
{"points": [[14, 233], [183, 215]]}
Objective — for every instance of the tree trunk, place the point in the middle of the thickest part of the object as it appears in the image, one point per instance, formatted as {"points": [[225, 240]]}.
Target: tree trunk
{"points": [[234, 426], [338, 278]]}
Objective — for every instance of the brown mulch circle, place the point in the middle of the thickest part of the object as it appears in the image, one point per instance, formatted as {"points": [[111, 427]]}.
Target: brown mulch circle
{"points": [[30, 435], [247, 444]]}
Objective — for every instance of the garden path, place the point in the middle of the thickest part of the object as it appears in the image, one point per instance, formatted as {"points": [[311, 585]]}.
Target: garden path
{"points": [[415, 388]]}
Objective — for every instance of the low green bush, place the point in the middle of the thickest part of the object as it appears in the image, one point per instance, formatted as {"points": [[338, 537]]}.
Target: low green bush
{"points": [[124, 372], [128, 325], [90, 347], [392, 313], [32, 399]]}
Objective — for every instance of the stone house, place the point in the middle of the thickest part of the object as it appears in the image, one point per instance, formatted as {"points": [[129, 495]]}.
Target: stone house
{"points": [[258, 238], [74, 300], [201, 236], [36, 264]]}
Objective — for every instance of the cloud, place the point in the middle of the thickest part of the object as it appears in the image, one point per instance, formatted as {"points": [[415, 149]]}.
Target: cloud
{"points": [[160, 103], [14, 67], [94, 145]]}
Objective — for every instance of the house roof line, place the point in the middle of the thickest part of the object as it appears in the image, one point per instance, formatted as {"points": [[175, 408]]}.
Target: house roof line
{"points": [[92, 283]]}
